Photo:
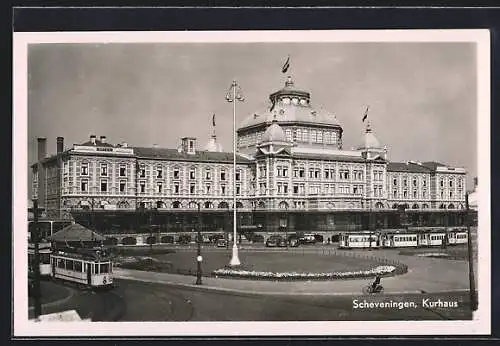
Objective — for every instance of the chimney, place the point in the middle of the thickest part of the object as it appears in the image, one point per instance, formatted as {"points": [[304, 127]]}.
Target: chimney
{"points": [[103, 139], [60, 144], [92, 139], [42, 148]]}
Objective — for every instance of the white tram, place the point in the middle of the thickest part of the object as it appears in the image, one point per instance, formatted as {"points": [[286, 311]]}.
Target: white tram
{"points": [[359, 240], [88, 267], [44, 251], [400, 238]]}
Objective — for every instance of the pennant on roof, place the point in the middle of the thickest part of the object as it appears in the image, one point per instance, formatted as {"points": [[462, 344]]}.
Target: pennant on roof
{"points": [[286, 66], [366, 114], [213, 120]]}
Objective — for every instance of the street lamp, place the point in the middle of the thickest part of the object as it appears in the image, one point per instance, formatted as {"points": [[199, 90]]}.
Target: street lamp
{"points": [[232, 95], [198, 253], [35, 237], [472, 285]]}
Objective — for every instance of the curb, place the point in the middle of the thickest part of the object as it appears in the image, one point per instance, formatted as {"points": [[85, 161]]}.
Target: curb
{"points": [[232, 291], [57, 302]]}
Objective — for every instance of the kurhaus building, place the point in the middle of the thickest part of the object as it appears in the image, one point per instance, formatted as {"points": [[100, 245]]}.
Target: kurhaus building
{"points": [[292, 172]]}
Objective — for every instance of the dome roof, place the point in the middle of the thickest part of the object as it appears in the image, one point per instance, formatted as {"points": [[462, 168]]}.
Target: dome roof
{"points": [[213, 145], [291, 105], [274, 133], [370, 141]]}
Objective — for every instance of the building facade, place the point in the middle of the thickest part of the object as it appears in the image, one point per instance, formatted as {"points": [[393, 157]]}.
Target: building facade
{"points": [[290, 159]]}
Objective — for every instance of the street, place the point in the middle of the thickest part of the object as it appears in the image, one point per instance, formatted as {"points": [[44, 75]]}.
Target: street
{"points": [[140, 301]]}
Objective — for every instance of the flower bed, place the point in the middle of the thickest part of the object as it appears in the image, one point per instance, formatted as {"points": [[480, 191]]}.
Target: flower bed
{"points": [[248, 274]]}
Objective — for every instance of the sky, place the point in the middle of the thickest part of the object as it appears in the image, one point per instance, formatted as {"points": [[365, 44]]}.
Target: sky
{"points": [[422, 96]]}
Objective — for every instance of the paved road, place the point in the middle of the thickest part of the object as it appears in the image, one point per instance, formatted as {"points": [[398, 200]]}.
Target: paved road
{"points": [[141, 301]]}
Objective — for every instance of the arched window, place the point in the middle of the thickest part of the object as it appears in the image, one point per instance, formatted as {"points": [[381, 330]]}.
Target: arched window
{"points": [[415, 206], [451, 206], [160, 204], [176, 204], [239, 205], [425, 206], [192, 205], [395, 206], [283, 205], [223, 205], [208, 205], [379, 205], [261, 204]]}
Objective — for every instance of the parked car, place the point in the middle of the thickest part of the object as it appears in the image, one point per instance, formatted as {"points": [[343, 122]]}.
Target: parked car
{"points": [[308, 238], [275, 241], [257, 238], [221, 243]]}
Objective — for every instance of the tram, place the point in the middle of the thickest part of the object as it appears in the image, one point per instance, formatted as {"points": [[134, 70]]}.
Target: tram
{"points": [[87, 267], [44, 250], [403, 238]]}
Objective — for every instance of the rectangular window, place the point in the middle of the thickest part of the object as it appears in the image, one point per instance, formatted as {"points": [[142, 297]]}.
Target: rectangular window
{"points": [[142, 186], [414, 194], [280, 188], [104, 186], [192, 173], [285, 188], [192, 188], [85, 169], [414, 182], [405, 183], [405, 194], [451, 183], [238, 189], [223, 175], [159, 187], [123, 170], [176, 188], [223, 190], [295, 188], [302, 173], [285, 172], [84, 186], [176, 173], [394, 194], [316, 174], [104, 170], [295, 173], [208, 174], [142, 171], [208, 188], [327, 174], [159, 172], [123, 185], [395, 182], [424, 182], [238, 175]]}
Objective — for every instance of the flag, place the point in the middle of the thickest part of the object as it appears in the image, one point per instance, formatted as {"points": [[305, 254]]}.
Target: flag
{"points": [[366, 114], [286, 66], [213, 120]]}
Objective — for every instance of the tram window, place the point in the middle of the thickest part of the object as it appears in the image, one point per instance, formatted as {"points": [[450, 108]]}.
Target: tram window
{"points": [[78, 266], [69, 264], [104, 268], [96, 268], [60, 263]]}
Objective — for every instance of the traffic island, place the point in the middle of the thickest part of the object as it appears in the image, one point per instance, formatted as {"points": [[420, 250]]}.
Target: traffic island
{"points": [[283, 266]]}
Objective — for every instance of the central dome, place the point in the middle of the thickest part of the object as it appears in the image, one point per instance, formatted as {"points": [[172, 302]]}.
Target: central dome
{"points": [[291, 105]]}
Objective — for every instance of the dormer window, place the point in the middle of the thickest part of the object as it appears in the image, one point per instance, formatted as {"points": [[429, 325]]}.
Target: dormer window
{"points": [[295, 100], [303, 102], [286, 101]]}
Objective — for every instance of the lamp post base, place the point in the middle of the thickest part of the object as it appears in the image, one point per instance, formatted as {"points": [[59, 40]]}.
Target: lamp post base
{"points": [[235, 261]]}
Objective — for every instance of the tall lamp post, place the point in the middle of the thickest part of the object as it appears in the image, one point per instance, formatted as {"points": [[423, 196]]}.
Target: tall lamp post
{"points": [[472, 284], [198, 253], [234, 94], [35, 237]]}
